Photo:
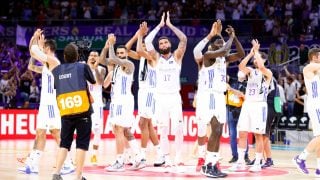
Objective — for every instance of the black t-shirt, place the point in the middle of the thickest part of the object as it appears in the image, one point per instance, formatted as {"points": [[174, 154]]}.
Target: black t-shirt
{"points": [[298, 108], [25, 85]]}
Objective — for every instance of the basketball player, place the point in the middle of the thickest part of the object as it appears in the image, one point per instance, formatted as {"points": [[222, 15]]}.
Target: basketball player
{"points": [[312, 81], [270, 118], [258, 83], [48, 115], [128, 157], [122, 105], [97, 105], [211, 88], [168, 103], [147, 83]]}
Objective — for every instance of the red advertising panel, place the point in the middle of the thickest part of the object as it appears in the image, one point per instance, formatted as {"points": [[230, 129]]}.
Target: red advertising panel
{"points": [[21, 124]]}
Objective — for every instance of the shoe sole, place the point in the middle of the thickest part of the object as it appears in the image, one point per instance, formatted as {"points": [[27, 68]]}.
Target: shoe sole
{"points": [[159, 164], [136, 168], [65, 173], [263, 167], [209, 175], [27, 172], [115, 170], [236, 170], [254, 171]]}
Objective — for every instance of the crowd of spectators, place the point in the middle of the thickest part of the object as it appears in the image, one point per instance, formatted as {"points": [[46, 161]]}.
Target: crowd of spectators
{"points": [[20, 87], [273, 17]]}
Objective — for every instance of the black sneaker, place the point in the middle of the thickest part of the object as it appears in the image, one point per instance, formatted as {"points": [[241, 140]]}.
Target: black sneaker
{"points": [[56, 177], [234, 159], [247, 160], [268, 163], [83, 178], [212, 171], [250, 163]]}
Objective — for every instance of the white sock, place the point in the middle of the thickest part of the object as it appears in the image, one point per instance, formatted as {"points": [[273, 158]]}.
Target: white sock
{"points": [[134, 146], [212, 157], [96, 139], [164, 141], [35, 157], [143, 153], [120, 158], [178, 140], [202, 151], [94, 152], [68, 160], [241, 153], [258, 159], [126, 151], [318, 163], [304, 155], [158, 150]]}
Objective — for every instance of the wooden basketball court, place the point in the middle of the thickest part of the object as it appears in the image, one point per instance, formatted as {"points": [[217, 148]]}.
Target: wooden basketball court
{"points": [[10, 150]]}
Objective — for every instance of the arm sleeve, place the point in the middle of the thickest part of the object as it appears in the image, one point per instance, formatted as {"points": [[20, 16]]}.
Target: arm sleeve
{"points": [[35, 49], [197, 51], [88, 74], [148, 40]]}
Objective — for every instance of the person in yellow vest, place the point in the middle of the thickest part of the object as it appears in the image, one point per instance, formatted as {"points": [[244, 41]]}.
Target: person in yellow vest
{"points": [[234, 100], [74, 102]]}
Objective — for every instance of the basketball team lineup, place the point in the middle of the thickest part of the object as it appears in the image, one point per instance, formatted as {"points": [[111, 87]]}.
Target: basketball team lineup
{"points": [[71, 101]]}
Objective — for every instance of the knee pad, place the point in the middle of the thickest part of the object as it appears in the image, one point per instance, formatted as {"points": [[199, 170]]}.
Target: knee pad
{"points": [[202, 130]]}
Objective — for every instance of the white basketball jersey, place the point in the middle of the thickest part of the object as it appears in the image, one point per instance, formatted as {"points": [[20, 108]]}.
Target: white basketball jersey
{"points": [[202, 79], [217, 74], [257, 88], [168, 75], [96, 90], [313, 88], [121, 83], [147, 75], [48, 93]]}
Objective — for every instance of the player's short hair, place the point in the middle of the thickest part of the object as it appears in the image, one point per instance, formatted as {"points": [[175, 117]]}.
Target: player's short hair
{"points": [[70, 53], [122, 47], [264, 55], [313, 52], [51, 44], [163, 37], [214, 38]]}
